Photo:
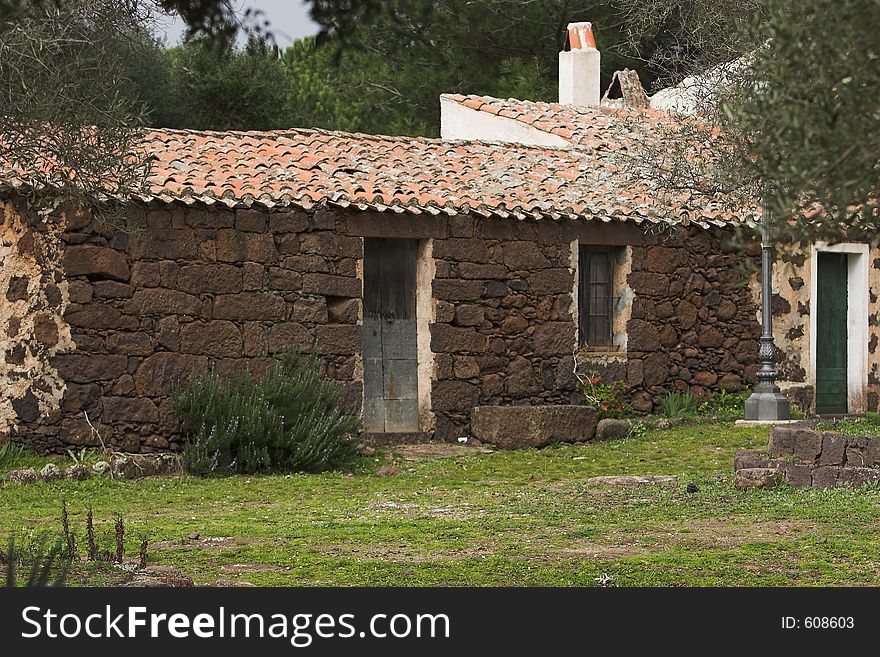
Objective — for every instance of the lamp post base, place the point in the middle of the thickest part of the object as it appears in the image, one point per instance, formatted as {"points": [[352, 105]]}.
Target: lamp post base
{"points": [[767, 404]]}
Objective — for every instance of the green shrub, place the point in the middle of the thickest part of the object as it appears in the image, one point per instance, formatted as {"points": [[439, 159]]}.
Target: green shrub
{"points": [[290, 421], [677, 404]]}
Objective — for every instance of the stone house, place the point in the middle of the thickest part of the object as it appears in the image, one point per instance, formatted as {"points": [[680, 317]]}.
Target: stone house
{"points": [[433, 276]]}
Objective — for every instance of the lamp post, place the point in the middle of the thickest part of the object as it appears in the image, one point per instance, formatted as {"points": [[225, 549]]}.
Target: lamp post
{"points": [[766, 403]]}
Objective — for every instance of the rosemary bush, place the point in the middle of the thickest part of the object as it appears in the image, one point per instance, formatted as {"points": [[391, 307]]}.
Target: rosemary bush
{"points": [[289, 421]]}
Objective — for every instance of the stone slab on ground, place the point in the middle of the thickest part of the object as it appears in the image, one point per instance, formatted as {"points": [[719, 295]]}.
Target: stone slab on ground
{"points": [[610, 429], [754, 423], [517, 427], [630, 480]]}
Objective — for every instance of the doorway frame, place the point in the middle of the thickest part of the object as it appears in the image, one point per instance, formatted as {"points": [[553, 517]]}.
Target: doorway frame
{"points": [[857, 300]]}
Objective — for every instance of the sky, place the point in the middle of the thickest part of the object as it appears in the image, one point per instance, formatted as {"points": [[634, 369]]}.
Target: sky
{"points": [[288, 20]]}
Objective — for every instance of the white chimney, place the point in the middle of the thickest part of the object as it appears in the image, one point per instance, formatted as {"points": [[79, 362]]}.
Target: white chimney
{"points": [[579, 67]]}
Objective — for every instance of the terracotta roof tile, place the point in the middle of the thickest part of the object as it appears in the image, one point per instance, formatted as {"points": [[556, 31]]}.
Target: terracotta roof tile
{"points": [[311, 168]]}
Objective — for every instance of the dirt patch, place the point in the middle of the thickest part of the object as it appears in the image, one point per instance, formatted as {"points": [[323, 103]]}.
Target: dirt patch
{"points": [[427, 451], [403, 554], [409, 511], [159, 576], [204, 543], [239, 568], [730, 532], [630, 480]]}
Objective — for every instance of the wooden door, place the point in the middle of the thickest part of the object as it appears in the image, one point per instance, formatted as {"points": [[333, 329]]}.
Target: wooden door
{"points": [[831, 337], [390, 349]]}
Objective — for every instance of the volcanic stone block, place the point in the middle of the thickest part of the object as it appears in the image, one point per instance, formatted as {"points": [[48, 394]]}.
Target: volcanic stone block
{"points": [[756, 478], [553, 338], [137, 343], [251, 221], [642, 335], [159, 301], [237, 246], [520, 378], [833, 449], [343, 311], [611, 429], [552, 281], [796, 474], [710, 337], [468, 315], [112, 290], [84, 368], [474, 270], [782, 440], [46, 330], [250, 306], [129, 409], [220, 339], [18, 288], [461, 250], [341, 339], [95, 262], [661, 259], [649, 283], [807, 445], [826, 476], [135, 466], [656, 369], [310, 310], [209, 279], [448, 339], [332, 245], [516, 427], [453, 289], [451, 395], [331, 285], [160, 373], [750, 458], [288, 222], [289, 335], [524, 255], [856, 477], [687, 314], [164, 244]]}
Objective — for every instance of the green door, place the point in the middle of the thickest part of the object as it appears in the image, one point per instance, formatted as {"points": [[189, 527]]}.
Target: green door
{"points": [[831, 334]]}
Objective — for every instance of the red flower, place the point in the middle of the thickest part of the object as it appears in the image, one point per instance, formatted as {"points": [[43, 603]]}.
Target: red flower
{"points": [[604, 406], [595, 379]]}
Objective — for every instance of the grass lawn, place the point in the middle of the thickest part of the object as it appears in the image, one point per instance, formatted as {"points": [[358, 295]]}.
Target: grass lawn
{"points": [[503, 518]]}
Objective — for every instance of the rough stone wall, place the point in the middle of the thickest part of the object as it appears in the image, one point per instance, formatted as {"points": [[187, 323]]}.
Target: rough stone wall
{"points": [[185, 288], [806, 455], [33, 296], [692, 323], [503, 331]]}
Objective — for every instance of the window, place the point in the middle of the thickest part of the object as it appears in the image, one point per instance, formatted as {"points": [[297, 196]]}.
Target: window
{"points": [[596, 297]]}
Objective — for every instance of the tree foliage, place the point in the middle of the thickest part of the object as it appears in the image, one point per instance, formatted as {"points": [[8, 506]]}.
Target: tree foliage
{"points": [[212, 85], [69, 96], [418, 50], [791, 110]]}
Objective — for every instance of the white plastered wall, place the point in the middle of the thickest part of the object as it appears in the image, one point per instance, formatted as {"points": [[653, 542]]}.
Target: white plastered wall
{"points": [[857, 319], [460, 122], [425, 270]]}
